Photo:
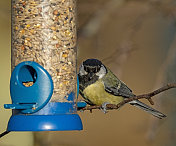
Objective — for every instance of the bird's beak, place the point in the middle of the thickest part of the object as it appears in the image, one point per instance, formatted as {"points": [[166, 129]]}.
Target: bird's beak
{"points": [[90, 76]]}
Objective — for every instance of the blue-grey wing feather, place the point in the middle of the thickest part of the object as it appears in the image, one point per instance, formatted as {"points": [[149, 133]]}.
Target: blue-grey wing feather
{"points": [[116, 87]]}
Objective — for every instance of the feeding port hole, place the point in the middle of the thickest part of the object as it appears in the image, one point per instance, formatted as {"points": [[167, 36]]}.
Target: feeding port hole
{"points": [[27, 75]]}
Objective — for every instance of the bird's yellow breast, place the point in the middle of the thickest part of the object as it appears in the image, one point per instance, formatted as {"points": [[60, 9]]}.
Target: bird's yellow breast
{"points": [[97, 94]]}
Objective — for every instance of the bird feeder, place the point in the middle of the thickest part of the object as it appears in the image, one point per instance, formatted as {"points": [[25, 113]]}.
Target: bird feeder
{"points": [[43, 83]]}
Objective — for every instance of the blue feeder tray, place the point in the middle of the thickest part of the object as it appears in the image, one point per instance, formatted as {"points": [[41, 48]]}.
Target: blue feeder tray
{"points": [[49, 118], [32, 110]]}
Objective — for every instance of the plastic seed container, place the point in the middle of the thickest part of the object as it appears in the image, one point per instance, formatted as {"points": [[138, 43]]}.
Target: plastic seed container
{"points": [[44, 44], [44, 31]]}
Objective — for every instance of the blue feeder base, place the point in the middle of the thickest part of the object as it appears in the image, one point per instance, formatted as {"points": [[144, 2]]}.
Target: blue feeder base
{"points": [[61, 122]]}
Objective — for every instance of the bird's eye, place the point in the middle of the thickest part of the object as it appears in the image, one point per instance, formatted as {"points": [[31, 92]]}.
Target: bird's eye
{"points": [[97, 69], [91, 69]]}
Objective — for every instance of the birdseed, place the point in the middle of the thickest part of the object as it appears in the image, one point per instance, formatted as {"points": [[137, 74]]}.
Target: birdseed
{"points": [[28, 84], [44, 31]]}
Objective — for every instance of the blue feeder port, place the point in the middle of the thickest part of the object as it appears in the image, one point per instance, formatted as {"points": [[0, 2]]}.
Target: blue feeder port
{"points": [[32, 110]]}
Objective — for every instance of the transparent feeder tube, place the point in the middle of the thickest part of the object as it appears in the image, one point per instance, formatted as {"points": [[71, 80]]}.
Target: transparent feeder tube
{"points": [[44, 31]]}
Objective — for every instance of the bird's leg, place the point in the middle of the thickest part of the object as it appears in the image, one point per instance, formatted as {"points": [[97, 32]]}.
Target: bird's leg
{"points": [[104, 108]]}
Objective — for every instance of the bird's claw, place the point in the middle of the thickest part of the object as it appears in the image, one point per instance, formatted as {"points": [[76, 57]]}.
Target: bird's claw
{"points": [[104, 108]]}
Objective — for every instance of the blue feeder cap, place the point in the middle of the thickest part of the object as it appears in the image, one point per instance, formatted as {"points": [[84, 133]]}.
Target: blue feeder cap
{"points": [[32, 110]]}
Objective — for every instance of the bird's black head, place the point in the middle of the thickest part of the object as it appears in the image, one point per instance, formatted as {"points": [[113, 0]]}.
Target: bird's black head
{"points": [[92, 65], [91, 70], [92, 62]]}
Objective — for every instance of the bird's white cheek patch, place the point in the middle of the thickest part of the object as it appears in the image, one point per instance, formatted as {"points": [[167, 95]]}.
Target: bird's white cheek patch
{"points": [[82, 71], [100, 76], [101, 73]]}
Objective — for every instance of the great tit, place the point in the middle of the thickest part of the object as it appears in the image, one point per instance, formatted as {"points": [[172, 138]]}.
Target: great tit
{"points": [[99, 86]]}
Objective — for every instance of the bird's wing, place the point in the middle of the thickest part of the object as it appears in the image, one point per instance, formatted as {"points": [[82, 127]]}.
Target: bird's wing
{"points": [[116, 87]]}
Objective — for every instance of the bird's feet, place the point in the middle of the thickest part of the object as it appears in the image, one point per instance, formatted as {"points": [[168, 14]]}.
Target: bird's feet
{"points": [[104, 108]]}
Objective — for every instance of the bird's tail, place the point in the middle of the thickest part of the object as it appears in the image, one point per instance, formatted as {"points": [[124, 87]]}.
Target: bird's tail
{"points": [[148, 109]]}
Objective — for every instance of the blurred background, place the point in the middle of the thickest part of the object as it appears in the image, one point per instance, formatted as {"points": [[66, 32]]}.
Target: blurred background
{"points": [[137, 40]]}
